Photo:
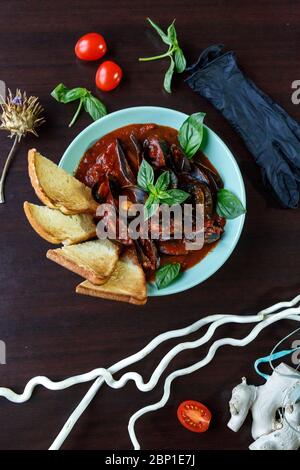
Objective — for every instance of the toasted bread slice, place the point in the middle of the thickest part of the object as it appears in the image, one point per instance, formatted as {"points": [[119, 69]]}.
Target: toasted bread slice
{"points": [[56, 188], [57, 228], [94, 260], [127, 283]]}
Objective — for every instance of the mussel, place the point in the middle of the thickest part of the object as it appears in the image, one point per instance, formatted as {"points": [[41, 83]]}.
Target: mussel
{"points": [[178, 161], [148, 255], [214, 179], [156, 151], [199, 191], [123, 171], [213, 229], [106, 190], [138, 149], [134, 195]]}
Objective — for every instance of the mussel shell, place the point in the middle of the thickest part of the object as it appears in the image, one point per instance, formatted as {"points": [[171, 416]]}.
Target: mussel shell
{"points": [[156, 151], [134, 194], [126, 175], [178, 161]]}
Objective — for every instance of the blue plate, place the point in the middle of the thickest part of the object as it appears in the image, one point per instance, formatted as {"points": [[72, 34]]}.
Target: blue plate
{"points": [[217, 152]]}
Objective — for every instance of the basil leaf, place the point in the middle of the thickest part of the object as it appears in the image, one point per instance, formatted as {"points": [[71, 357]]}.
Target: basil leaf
{"points": [[191, 134], [167, 274], [150, 207], [168, 76], [59, 91], [162, 181], [65, 95], [175, 196], [162, 195], [94, 107], [172, 34], [145, 175], [228, 205], [163, 36], [180, 62]]}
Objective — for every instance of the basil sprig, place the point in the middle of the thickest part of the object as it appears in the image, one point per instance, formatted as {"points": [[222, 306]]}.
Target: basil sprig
{"points": [[175, 53], [190, 134], [158, 192], [228, 205], [92, 105], [165, 275]]}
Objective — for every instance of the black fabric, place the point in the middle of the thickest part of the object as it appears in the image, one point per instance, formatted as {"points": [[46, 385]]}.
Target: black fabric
{"points": [[270, 134]]}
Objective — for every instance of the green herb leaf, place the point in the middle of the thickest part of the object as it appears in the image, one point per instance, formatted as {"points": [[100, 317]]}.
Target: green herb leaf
{"points": [[165, 275], [162, 181], [163, 36], [168, 76], [94, 107], [191, 134], [228, 205], [162, 195], [65, 95], [175, 196], [180, 62], [91, 104], [150, 207], [172, 34], [175, 53], [145, 175]]}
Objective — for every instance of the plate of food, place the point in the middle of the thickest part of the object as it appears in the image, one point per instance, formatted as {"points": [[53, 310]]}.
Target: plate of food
{"points": [[154, 157]]}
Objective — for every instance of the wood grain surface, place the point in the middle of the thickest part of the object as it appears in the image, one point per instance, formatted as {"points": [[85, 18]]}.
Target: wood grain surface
{"points": [[48, 329]]}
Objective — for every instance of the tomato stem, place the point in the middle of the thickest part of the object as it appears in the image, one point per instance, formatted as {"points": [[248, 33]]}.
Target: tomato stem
{"points": [[77, 113]]}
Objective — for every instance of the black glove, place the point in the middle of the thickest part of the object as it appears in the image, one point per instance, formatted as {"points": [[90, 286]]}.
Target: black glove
{"points": [[270, 134]]}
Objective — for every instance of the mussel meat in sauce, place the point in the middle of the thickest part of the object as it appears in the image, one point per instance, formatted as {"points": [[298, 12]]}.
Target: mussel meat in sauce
{"points": [[110, 168]]}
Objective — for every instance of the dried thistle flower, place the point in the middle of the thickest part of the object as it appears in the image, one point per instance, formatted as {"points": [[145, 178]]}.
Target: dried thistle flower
{"points": [[20, 115]]}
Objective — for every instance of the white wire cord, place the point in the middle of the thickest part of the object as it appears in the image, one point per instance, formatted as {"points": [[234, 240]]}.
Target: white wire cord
{"points": [[292, 314], [105, 375]]}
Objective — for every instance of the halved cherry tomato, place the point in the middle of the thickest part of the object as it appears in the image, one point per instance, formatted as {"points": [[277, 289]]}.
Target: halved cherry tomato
{"points": [[91, 46], [108, 75], [194, 416]]}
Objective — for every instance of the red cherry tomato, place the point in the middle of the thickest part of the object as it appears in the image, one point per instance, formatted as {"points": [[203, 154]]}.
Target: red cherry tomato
{"points": [[91, 46], [108, 75], [194, 416]]}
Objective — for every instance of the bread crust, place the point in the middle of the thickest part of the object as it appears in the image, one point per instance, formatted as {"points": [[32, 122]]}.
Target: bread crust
{"points": [[40, 230], [37, 227], [86, 290], [59, 258], [45, 198]]}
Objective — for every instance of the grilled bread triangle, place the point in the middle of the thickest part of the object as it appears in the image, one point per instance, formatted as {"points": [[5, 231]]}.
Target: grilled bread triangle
{"points": [[94, 260], [127, 283], [56, 188], [57, 228]]}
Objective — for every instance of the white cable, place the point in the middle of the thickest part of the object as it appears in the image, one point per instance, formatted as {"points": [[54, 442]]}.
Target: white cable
{"points": [[189, 370], [104, 375], [87, 377], [84, 403]]}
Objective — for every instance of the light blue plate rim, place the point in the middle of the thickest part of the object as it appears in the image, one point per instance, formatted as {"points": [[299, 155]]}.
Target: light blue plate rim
{"points": [[207, 267]]}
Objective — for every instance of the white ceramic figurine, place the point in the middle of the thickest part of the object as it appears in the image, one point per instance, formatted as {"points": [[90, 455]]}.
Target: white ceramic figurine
{"points": [[275, 409]]}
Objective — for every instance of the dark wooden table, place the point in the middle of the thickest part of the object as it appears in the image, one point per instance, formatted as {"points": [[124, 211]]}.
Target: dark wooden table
{"points": [[51, 331]]}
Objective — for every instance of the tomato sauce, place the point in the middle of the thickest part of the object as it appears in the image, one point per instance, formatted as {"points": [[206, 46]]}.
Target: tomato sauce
{"points": [[98, 159]]}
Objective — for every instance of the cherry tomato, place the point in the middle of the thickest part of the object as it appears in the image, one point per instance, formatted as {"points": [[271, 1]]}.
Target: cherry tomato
{"points": [[108, 75], [194, 416], [91, 46]]}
